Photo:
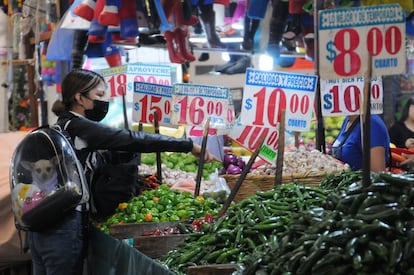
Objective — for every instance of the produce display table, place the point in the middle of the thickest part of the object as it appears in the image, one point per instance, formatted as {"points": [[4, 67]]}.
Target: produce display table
{"points": [[152, 246]]}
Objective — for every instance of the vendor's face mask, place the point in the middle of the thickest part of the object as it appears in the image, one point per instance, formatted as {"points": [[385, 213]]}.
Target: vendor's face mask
{"points": [[99, 110], [100, 103]]}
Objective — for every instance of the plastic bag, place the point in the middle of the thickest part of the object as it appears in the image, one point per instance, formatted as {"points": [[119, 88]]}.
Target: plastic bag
{"points": [[219, 190]]}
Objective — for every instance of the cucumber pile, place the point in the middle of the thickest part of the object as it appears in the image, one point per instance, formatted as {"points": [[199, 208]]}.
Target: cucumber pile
{"points": [[307, 230]]}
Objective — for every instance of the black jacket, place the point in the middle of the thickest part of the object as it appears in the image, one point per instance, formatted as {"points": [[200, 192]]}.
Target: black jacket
{"points": [[99, 136]]}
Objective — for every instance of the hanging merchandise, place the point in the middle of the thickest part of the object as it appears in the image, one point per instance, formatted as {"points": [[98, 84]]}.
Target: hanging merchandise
{"points": [[176, 38], [103, 14], [207, 17], [48, 68], [60, 45], [112, 54]]}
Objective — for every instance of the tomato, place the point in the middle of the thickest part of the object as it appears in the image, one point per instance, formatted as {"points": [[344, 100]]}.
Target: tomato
{"points": [[148, 217]]}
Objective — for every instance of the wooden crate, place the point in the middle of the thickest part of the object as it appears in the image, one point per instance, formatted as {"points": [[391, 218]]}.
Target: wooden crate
{"points": [[129, 230], [158, 246], [152, 246]]}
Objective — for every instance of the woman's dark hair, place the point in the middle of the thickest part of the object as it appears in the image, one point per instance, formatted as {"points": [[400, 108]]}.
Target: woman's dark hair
{"points": [[406, 109], [76, 81]]}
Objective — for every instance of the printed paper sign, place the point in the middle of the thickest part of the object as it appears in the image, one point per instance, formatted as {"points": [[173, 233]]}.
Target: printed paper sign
{"points": [[150, 98], [349, 36], [344, 97], [267, 93], [193, 104], [249, 137], [121, 79]]}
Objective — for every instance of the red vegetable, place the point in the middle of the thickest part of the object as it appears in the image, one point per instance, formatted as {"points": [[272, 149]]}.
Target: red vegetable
{"points": [[228, 159], [233, 169], [241, 163]]}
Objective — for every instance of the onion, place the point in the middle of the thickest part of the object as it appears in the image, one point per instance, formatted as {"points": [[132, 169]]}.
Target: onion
{"points": [[233, 169], [241, 163], [229, 159]]}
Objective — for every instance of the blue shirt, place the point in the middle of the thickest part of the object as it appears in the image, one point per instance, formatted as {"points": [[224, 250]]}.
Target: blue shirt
{"points": [[351, 149]]}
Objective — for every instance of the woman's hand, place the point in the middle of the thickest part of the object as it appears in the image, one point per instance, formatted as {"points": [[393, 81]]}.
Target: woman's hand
{"points": [[409, 143], [208, 157], [409, 159]]}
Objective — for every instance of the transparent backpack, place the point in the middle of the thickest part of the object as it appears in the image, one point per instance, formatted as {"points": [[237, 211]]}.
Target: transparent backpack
{"points": [[46, 179]]}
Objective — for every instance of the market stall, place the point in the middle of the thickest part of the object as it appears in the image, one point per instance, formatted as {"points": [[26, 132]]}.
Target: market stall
{"points": [[11, 244], [285, 205]]}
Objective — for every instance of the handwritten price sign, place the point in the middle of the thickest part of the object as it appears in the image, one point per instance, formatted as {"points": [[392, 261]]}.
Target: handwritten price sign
{"points": [[121, 79], [150, 98], [249, 137], [267, 93], [345, 96], [193, 104], [348, 36]]}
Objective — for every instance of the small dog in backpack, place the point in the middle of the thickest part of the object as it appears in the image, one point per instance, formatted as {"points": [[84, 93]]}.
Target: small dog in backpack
{"points": [[44, 174]]}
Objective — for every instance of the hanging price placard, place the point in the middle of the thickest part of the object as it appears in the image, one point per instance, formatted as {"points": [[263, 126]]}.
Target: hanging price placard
{"points": [[348, 36], [121, 79], [249, 137], [193, 104], [267, 93], [344, 97], [150, 98]]}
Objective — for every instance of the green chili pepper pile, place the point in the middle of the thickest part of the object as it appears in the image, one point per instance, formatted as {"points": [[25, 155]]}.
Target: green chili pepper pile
{"points": [[257, 220], [340, 180], [360, 231], [307, 230]]}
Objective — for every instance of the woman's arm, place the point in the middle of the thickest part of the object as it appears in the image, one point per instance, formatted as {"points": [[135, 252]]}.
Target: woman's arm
{"points": [[377, 159]]}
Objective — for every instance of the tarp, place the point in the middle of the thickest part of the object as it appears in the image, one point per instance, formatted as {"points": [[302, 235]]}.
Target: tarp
{"points": [[10, 250], [110, 256]]}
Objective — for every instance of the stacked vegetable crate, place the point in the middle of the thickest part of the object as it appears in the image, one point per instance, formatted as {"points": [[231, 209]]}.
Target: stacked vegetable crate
{"points": [[151, 244]]}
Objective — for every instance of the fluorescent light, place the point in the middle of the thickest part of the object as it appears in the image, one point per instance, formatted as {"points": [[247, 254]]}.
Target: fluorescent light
{"points": [[265, 62]]}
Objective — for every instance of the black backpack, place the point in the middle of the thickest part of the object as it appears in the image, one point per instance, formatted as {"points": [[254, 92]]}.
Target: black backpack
{"points": [[114, 181]]}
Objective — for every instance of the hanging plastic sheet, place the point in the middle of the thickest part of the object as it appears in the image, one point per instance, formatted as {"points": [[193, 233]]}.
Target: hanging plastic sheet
{"points": [[60, 45], [110, 256]]}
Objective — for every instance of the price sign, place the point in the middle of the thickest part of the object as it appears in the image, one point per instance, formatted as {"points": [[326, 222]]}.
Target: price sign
{"points": [[150, 98], [121, 79], [193, 104], [267, 93], [348, 36], [345, 96], [249, 137]]}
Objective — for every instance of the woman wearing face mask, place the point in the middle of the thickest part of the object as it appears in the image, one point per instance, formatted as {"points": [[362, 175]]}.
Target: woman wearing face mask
{"points": [[60, 250]]}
